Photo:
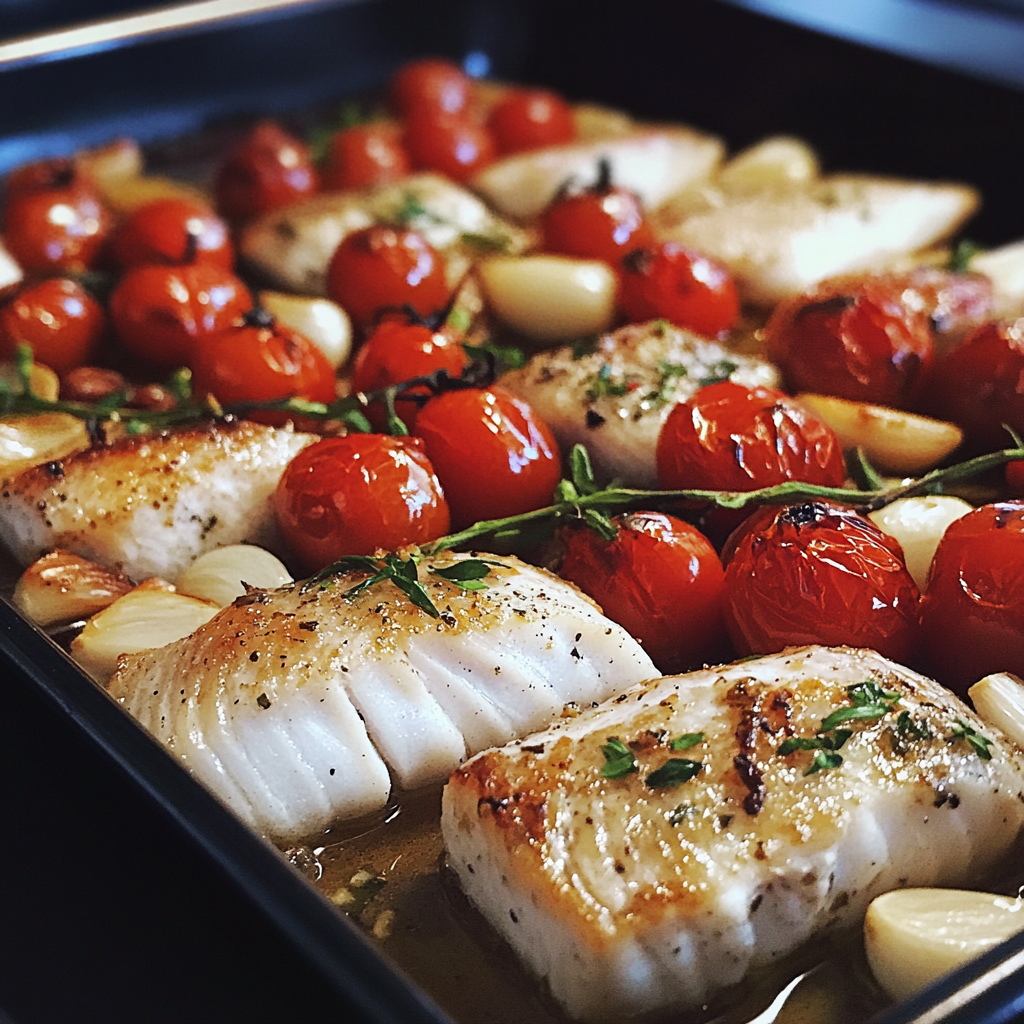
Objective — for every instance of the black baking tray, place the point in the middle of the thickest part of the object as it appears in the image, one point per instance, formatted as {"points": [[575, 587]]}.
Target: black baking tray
{"points": [[126, 891]]}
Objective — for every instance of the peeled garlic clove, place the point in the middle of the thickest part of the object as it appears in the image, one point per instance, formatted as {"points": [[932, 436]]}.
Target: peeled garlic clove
{"points": [[218, 576], [918, 524], [62, 587], [112, 163], [124, 194], [31, 440], [914, 936], [550, 298], [151, 615], [42, 380], [771, 163], [894, 441], [11, 274], [999, 699], [323, 322]]}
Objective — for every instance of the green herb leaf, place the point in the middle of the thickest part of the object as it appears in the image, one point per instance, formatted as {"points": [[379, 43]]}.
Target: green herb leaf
{"points": [[600, 524], [618, 759], [582, 470], [687, 740], [460, 572], [508, 357], [718, 372], [679, 814], [673, 772], [863, 713], [961, 256], [497, 242], [868, 478], [795, 743], [909, 729], [963, 730], [869, 692], [584, 347], [23, 364], [416, 593], [566, 491], [179, 383], [823, 760], [604, 383]]}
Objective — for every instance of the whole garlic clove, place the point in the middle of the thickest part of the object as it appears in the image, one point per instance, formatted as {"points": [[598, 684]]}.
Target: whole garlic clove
{"points": [[62, 587], [221, 575]]}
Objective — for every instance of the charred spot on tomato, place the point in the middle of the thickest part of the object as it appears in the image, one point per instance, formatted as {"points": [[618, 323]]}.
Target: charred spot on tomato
{"points": [[805, 514], [826, 307]]}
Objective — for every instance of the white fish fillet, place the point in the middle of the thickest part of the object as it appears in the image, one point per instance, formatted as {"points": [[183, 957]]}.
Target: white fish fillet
{"points": [[300, 708], [627, 899], [150, 505], [659, 364]]}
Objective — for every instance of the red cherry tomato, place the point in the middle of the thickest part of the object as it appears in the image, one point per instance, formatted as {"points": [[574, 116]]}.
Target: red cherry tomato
{"points": [[397, 352], [58, 318], [978, 385], [54, 220], [733, 438], [817, 573], [855, 339], [259, 360], [452, 145], [355, 495], [431, 86], [386, 268], [366, 155], [159, 312], [1015, 479], [171, 231], [603, 223], [526, 119], [660, 579], [677, 284], [269, 169], [494, 456], [972, 612]]}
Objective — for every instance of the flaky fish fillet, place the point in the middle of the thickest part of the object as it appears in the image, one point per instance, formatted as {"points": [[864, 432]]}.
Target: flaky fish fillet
{"points": [[298, 708], [634, 893], [150, 505], [615, 399]]}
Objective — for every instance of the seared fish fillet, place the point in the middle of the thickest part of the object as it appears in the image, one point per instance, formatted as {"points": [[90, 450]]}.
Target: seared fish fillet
{"points": [[150, 505], [298, 708], [642, 891], [615, 399]]}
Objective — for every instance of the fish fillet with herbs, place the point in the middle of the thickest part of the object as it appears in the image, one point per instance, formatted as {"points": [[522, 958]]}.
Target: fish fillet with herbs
{"points": [[655, 849], [614, 396], [302, 705]]}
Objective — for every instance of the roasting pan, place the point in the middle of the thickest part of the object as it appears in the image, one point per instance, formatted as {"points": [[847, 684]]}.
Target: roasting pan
{"points": [[126, 891]]}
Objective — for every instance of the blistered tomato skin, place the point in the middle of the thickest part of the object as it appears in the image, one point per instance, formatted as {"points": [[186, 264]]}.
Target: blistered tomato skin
{"points": [[731, 437], [660, 579], [494, 456], [159, 313], [604, 223], [58, 318], [171, 231], [972, 612], [853, 339], [366, 155], [527, 119], [680, 285], [818, 573], [357, 494], [382, 268]]}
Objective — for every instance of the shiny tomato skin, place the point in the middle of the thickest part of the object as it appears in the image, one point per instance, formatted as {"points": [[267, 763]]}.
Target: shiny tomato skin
{"points": [[381, 268], [397, 352], [817, 573], [358, 494], [526, 119], [660, 579], [680, 285], [268, 169], [160, 312], [494, 456], [855, 339], [972, 612], [600, 224], [979, 384], [1015, 479], [451, 145], [171, 231], [431, 86], [366, 155], [58, 318], [731, 437]]}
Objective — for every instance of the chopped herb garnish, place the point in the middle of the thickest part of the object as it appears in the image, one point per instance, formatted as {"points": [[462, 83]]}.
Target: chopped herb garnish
{"points": [[909, 729], [507, 357], [963, 730], [584, 347], [604, 383], [718, 372], [600, 524], [679, 814], [412, 208], [468, 575], [824, 759], [403, 573], [687, 740], [673, 772], [618, 759], [484, 243], [961, 256]]}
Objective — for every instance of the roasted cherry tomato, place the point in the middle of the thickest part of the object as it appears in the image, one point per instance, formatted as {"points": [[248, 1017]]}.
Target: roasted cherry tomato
{"points": [[955, 303], [366, 155], [817, 573], [431, 86], [602, 223], [60, 320], [171, 231], [730, 437], [270, 168], [978, 385], [972, 612], [452, 145], [159, 312], [494, 456], [397, 352], [1015, 479], [357, 494], [677, 284], [382, 268], [853, 338], [54, 219], [259, 360], [660, 579], [526, 119]]}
